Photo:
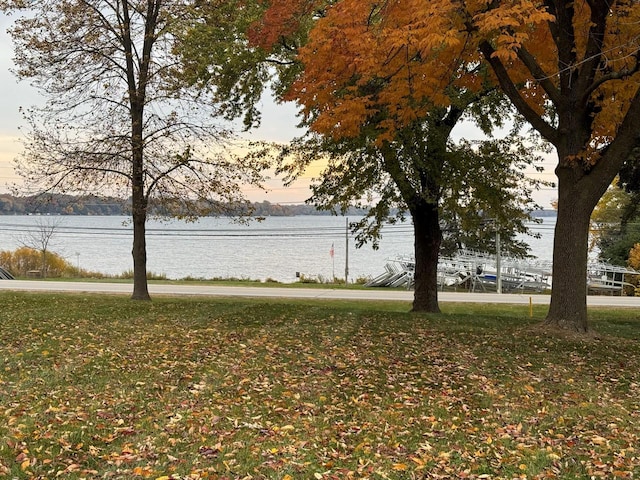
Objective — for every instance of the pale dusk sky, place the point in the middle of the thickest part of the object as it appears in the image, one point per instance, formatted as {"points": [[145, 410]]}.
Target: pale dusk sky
{"points": [[278, 124]]}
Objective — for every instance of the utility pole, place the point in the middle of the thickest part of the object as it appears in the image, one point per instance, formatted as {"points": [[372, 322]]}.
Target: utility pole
{"points": [[498, 266], [346, 256]]}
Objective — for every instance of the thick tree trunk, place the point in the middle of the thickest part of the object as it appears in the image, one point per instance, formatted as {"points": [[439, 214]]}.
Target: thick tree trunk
{"points": [[568, 309], [427, 239]]}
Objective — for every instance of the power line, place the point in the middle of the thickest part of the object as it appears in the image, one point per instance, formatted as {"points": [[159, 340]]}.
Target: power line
{"points": [[284, 232], [238, 233]]}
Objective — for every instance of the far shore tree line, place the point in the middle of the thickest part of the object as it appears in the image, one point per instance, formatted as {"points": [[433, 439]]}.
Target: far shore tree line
{"points": [[57, 204], [136, 93]]}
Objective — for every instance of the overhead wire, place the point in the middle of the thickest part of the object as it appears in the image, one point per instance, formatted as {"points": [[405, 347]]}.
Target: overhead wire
{"points": [[226, 232]]}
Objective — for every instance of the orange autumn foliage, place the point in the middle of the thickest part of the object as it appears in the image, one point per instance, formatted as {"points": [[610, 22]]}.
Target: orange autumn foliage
{"points": [[364, 59], [412, 51], [394, 72], [570, 68]]}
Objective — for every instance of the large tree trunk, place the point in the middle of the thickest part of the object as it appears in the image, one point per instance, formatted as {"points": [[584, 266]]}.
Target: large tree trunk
{"points": [[568, 309], [427, 240]]}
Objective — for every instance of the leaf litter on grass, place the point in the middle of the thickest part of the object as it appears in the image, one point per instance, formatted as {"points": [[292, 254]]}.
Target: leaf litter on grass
{"points": [[102, 387]]}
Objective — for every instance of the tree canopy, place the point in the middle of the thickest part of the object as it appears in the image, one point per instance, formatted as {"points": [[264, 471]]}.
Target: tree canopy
{"points": [[570, 68], [115, 120], [384, 123]]}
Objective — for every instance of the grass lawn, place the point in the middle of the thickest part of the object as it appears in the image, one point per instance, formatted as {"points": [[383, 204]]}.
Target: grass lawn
{"points": [[103, 387]]}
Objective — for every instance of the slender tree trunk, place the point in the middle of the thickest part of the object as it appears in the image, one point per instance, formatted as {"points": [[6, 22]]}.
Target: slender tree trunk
{"points": [[568, 308], [427, 240], [137, 100], [139, 203], [139, 253]]}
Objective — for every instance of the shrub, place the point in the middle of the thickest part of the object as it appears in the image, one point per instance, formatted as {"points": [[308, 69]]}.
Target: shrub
{"points": [[25, 259], [634, 262]]}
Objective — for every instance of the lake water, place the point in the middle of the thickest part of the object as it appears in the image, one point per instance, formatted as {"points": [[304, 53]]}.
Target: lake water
{"points": [[276, 248]]}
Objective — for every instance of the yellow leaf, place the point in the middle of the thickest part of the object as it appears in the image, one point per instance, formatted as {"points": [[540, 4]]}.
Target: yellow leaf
{"points": [[529, 388], [143, 471], [400, 466], [24, 465]]}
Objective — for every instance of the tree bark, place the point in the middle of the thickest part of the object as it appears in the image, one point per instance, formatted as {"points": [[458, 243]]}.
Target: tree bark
{"points": [[44, 263], [139, 253], [568, 308], [427, 240], [139, 202], [137, 99], [576, 201]]}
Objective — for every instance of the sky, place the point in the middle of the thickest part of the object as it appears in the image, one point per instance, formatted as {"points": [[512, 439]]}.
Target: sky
{"points": [[10, 101], [278, 124]]}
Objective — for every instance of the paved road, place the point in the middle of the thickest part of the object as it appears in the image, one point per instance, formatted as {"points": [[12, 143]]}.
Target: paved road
{"points": [[278, 292]]}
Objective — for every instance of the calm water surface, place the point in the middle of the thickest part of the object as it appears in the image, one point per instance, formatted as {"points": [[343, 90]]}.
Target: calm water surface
{"points": [[276, 248]]}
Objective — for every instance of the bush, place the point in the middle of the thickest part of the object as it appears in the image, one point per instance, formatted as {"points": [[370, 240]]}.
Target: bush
{"points": [[25, 259], [634, 262]]}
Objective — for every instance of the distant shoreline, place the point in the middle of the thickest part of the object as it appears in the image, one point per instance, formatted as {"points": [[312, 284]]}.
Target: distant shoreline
{"points": [[109, 206], [535, 213]]}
